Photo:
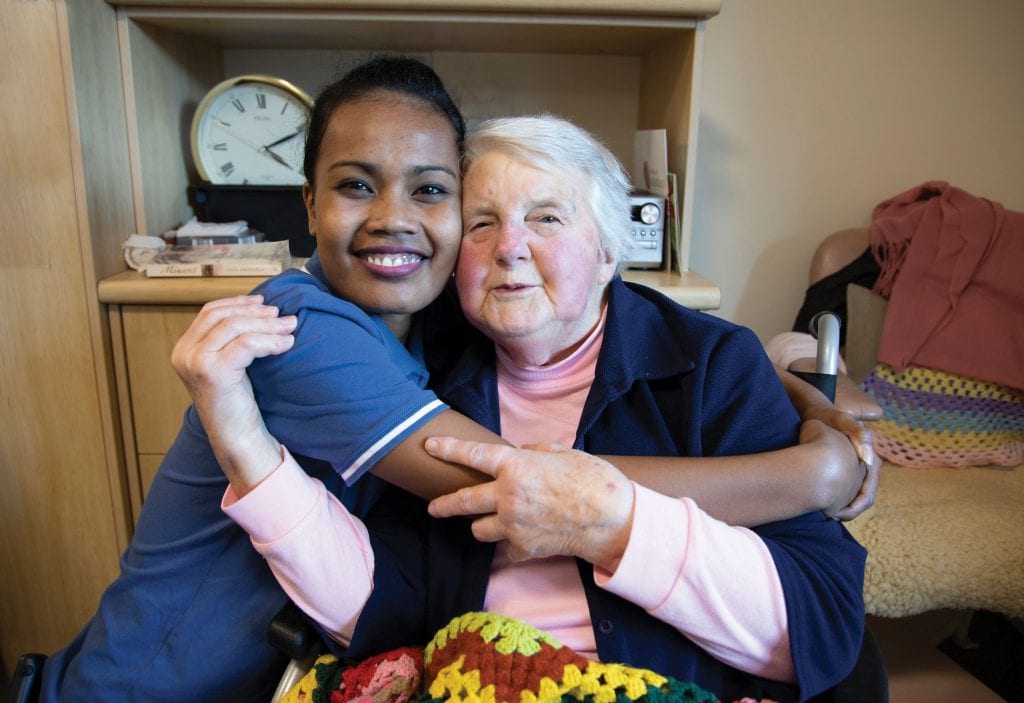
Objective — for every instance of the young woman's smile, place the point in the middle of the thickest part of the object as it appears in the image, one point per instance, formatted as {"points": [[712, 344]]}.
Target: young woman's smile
{"points": [[390, 261]]}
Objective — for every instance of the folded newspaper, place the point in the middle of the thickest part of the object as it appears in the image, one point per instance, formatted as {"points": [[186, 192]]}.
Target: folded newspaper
{"points": [[152, 256]]}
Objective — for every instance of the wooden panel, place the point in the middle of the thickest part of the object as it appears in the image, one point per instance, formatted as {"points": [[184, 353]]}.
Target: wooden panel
{"points": [[130, 453], [157, 395], [58, 537], [689, 289], [101, 128], [678, 8], [415, 32], [500, 84], [184, 68], [92, 71], [148, 464], [669, 99]]}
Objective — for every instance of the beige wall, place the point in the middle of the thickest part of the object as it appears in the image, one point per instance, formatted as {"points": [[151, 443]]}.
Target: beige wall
{"points": [[814, 111]]}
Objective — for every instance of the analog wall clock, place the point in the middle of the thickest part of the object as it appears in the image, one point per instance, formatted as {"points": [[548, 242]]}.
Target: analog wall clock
{"points": [[250, 130]]}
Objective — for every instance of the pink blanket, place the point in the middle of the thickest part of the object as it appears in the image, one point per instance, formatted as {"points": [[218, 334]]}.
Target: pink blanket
{"points": [[953, 270]]}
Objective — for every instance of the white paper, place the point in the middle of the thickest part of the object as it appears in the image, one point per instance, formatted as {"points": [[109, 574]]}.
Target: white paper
{"points": [[650, 161]]}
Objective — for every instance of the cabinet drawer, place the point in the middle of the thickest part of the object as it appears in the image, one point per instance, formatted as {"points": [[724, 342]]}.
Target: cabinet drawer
{"points": [[158, 398]]}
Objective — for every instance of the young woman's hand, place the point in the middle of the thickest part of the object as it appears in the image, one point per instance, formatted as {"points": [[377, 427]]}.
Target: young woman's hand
{"points": [[854, 430], [813, 406], [224, 339], [865, 497], [211, 359], [847, 484]]}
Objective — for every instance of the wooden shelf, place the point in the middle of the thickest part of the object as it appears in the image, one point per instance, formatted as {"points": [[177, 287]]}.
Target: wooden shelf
{"points": [[689, 289], [133, 288], [697, 9]]}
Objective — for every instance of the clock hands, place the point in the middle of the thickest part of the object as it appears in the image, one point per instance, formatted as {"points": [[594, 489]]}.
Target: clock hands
{"points": [[275, 157], [283, 139], [252, 145]]}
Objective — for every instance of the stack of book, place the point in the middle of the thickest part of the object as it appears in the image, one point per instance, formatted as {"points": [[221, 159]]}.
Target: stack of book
{"points": [[152, 256]]}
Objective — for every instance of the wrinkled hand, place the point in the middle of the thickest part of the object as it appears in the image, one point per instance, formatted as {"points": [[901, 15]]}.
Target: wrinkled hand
{"points": [[544, 500], [211, 359]]}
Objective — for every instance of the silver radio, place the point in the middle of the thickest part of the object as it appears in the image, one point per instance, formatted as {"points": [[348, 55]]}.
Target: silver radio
{"points": [[647, 215]]}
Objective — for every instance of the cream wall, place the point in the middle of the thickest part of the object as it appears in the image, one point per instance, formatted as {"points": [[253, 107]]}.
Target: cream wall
{"points": [[814, 111]]}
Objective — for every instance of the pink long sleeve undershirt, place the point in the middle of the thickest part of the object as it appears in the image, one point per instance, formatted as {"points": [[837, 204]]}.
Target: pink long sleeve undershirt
{"points": [[715, 583]]}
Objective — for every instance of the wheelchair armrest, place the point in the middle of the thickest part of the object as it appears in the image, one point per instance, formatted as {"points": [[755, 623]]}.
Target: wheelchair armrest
{"points": [[26, 679], [293, 633]]}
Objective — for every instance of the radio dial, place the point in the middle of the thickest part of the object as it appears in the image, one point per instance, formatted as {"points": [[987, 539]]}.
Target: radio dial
{"points": [[648, 213]]}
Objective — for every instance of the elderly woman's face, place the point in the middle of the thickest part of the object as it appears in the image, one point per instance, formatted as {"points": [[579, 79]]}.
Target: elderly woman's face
{"points": [[531, 272]]}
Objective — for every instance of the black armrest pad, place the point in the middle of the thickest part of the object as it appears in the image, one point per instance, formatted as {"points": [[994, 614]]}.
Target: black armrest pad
{"points": [[293, 633]]}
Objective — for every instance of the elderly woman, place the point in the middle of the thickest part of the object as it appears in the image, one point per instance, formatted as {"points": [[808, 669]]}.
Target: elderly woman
{"points": [[563, 353]]}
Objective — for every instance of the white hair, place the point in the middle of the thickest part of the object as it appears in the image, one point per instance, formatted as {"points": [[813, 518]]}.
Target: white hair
{"points": [[554, 144]]}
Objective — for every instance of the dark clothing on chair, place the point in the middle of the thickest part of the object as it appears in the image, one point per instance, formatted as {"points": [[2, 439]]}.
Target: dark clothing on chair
{"points": [[829, 294]]}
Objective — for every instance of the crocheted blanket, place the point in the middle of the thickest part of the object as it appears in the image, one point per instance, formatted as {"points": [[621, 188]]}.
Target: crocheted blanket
{"points": [[940, 419], [488, 658]]}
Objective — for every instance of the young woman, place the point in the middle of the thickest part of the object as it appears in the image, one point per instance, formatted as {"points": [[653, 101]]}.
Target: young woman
{"points": [[384, 184]]}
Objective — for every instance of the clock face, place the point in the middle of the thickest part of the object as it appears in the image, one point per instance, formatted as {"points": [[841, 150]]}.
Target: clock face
{"points": [[250, 130]]}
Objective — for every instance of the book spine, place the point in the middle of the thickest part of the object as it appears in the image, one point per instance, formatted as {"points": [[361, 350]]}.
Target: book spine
{"points": [[219, 268], [174, 270], [246, 268]]}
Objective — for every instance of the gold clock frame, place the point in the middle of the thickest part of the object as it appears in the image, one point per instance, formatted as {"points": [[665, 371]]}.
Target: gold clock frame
{"points": [[221, 88]]}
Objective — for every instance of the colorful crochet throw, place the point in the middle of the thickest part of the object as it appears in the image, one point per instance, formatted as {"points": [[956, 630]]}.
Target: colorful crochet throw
{"points": [[937, 419], [488, 658]]}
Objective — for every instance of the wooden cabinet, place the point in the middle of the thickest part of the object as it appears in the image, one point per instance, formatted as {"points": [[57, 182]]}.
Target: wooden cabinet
{"points": [[147, 317], [64, 207], [154, 395]]}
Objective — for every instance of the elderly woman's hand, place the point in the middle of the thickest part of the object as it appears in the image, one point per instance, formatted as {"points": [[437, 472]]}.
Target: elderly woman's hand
{"points": [[211, 359], [544, 500]]}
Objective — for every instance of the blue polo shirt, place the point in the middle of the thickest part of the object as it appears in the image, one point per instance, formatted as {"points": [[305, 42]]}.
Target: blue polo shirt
{"points": [[348, 391]]}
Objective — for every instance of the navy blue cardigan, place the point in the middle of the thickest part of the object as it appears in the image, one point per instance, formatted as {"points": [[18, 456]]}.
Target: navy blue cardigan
{"points": [[670, 381]]}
